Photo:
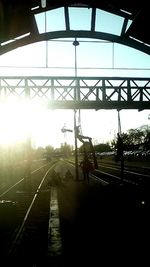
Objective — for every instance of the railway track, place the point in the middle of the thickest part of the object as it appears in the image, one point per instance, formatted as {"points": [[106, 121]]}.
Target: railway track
{"points": [[111, 172], [31, 232], [133, 175], [25, 216], [136, 180]]}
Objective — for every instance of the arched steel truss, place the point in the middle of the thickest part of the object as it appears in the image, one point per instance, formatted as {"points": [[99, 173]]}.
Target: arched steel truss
{"points": [[80, 92], [124, 38]]}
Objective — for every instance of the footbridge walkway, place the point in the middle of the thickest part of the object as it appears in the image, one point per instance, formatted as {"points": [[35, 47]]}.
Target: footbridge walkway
{"points": [[79, 92]]}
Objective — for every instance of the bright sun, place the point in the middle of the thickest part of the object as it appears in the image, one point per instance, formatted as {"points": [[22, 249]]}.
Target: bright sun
{"points": [[17, 118], [21, 118]]}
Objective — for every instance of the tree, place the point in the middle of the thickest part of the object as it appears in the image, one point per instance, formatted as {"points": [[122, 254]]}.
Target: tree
{"points": [[102, 148], [40, 152], [66, 150], [49, 150], [146, 133], [135, 138], [86, 146]]}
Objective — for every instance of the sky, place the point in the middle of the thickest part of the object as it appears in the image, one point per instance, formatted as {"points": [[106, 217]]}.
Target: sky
{"points": [[57, 57]]}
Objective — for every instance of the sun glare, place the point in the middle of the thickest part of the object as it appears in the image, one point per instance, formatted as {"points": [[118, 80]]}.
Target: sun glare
{"points": [[17, 118]]}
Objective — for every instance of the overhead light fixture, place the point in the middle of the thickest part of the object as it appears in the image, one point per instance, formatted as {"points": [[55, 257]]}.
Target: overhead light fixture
{"points": [[127, 12], [22, 36], [75, 43], [36, 7], [7, 42], [137, 40], [43, 3]]}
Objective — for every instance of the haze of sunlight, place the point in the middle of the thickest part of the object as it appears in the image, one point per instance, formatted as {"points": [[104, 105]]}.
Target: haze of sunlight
{"points": [[21, 119]]}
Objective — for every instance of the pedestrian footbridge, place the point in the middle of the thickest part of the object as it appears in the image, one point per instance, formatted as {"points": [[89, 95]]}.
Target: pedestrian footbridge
{"points": [[57, 92]]}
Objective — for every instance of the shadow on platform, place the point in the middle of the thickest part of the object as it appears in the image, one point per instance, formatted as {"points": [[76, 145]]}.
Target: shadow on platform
{"points": [[101, 225]]}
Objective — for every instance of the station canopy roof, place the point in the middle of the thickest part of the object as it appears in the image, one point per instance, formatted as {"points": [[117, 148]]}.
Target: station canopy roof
{"points": [[18, 25]]}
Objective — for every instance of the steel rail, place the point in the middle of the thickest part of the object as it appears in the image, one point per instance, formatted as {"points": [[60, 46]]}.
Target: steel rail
{"points": [[130, 172], [21, 180], [18, 236]]}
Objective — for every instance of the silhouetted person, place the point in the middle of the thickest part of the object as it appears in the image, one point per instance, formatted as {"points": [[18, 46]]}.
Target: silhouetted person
{"points": [[68, 175], [86, 166]]}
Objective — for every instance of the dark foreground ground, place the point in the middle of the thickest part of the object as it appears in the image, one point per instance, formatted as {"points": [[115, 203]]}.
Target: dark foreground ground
{"points": [[103, 225], [100, 225]]}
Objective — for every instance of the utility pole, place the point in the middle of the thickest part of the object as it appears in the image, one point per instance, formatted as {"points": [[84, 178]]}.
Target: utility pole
{"points": [[76, 43], [119, 123], [27, 179], [120, 146]]}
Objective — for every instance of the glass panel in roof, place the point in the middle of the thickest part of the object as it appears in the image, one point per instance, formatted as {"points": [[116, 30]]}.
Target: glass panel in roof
{"points": [[80, 18], [128, 24], [62, 52], [90, 55], [52, 20], [40, 21], [55, 20], [127, 57], [108, 22]]}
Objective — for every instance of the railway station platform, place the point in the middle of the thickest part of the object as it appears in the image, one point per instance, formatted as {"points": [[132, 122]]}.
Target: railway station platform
{"points": [[100, 225], [81, 223]]}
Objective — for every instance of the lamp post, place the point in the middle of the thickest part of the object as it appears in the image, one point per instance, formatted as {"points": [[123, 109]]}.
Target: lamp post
{"points": [[119, 123], [120, 146], [76, 43], [43, 3]]}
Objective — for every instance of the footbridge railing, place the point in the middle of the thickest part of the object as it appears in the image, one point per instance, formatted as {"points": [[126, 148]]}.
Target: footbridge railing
{"points": [[79, 92]]}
